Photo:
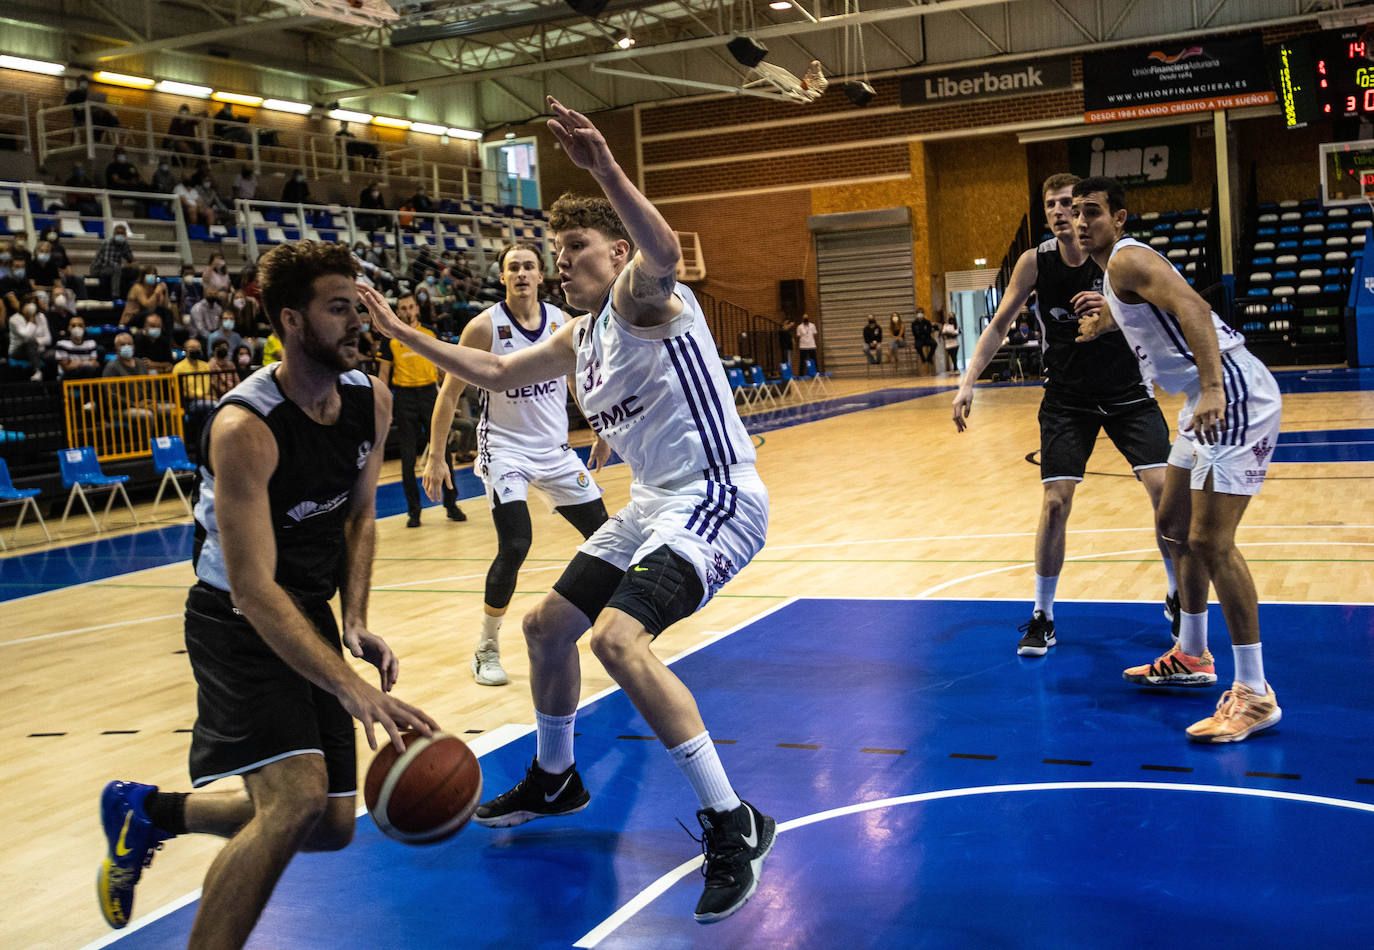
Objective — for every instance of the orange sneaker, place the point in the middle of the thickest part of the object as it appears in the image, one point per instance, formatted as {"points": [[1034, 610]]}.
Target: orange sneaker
{"points": [[1242, 711], [1175, 668]]}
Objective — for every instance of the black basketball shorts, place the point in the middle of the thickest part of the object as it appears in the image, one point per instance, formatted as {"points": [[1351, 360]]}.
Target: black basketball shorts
{"points": [[252, 709], [1069, 427]]}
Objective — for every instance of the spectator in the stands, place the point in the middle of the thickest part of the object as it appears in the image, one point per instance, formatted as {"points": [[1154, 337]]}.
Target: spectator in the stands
{"points": [[372, 198], [193, 204], [243, 360], [271, 349], [183, 134], [164, 180], [148, 296], [873, 340], [207, 316], [227, 331], [204, 183], [78, 356], [246, 184], [30, 337], [216, 275], [231, 128], [296, 189], [133, 402], [153, 346], [122, 174], [376, 253], [125, 362], [248, 283], [53, 239], [223, 375], [248, 316], [82, 98], [62, 304], [14, 279], [192, 378], [85, 204], [19, 248], [421, 201], [113, 262], [80, 178], [187, 292]]}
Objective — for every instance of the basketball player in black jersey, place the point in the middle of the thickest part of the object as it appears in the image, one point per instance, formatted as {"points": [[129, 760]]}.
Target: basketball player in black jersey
{"points": [[1089, 387], [284, 519]]}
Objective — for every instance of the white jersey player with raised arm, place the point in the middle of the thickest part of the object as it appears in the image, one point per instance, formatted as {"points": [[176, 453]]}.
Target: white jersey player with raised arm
{"points": [[522, 434], [1240, 459], [660, 398]]}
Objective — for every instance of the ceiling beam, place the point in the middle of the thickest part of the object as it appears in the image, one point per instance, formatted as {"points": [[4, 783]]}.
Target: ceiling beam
{"points": [[197, 39]]}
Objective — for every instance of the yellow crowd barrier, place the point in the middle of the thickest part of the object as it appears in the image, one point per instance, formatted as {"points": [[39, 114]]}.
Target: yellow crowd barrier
{"points": [[120, 416]]}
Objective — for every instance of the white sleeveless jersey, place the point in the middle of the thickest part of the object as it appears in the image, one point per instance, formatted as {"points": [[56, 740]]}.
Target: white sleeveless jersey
{"points": [[1157, 338], [532, 420], [659, 396]]}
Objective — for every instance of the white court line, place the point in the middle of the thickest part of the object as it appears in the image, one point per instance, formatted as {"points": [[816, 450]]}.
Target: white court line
{"points": [[1104, 554], [494, 739], [462, 577], [78, 630], [645, 897], [1031, 534]]}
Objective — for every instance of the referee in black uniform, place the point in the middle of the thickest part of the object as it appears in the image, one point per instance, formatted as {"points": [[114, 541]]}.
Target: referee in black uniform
{"points": [[1090, 387], [285, 517]]}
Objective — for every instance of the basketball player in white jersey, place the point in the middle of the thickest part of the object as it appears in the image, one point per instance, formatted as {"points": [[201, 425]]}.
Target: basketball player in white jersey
{"points": [[522, 440], [1227, 431], [650, 382]]}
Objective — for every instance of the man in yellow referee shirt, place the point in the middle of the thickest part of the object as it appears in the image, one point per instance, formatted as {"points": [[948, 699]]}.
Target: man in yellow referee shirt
{"points": [[414, 385]]}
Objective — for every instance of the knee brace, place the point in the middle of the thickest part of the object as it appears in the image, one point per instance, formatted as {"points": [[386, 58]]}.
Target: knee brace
{"points": [[513, 537]]}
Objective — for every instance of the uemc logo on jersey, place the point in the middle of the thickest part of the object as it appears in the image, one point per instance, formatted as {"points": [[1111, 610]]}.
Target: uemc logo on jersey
{"points": [[610, 418], [310, 508], [533, 391]]}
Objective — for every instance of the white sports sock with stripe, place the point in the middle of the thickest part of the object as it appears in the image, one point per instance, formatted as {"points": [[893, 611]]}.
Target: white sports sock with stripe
{"points": [[699, 762]]}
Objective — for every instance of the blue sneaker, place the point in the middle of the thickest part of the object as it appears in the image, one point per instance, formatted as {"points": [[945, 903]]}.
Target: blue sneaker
{"points": [[132, 840]]}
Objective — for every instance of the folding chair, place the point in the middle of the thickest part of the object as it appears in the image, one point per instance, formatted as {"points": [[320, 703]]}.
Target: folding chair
{"points": [[760, 385], [814, 378], [25, 497], [785, 384], [81, 470], [169, 458], [744, 393]]}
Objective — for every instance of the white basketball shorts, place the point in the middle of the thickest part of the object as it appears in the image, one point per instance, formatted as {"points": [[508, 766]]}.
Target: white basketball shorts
{"points": [[1239, 462]]}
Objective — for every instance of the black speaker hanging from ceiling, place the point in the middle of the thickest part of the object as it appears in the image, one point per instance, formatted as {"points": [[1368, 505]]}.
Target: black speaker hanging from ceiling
{"points": [[589, 8], [859, 93], [747, 52]]}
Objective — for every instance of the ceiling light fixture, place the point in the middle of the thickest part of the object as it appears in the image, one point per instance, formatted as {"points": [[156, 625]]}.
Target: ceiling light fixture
{"points": [[184, 89], [780, 5], [32, 65], [390, 123], [120, 79], [348, 115], [468, 134], [286, 105], [237, 98], [428, 128], [626, 41]]}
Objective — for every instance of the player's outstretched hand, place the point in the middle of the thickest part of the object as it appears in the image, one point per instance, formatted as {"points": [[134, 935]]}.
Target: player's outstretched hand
{"points": [[370, 706], [599, 455], [963, 405], [582, 141], [436, 476], [383, 317]]}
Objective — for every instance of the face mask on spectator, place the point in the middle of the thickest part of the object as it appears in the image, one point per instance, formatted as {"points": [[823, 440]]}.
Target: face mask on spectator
{"points": [[227, 324], [422, 297], [429, 279], [162, 166], [59, 301], [121, 157], [126, 352], [221, 352], [238, 303], [20, 244], [44, 258], [76, 333], [50, 235], [300, 178], [154, 332], [193, 354], [19, 272], [30, 309], [5, 256], [120, 238], [243, 359], [150, 278], [364, 328]]}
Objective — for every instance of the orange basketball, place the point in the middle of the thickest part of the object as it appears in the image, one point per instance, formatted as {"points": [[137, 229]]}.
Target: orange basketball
{"points": [[426, 793]]}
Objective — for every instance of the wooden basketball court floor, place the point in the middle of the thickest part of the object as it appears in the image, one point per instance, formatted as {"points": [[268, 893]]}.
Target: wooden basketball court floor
{"points": [[933, 788]]}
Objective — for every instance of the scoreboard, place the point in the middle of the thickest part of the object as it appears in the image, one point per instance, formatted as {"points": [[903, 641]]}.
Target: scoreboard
{"points": [[1328, 75]]}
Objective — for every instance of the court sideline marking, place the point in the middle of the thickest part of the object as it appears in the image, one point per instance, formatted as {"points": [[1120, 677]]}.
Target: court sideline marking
{"points": [[647, 896]]}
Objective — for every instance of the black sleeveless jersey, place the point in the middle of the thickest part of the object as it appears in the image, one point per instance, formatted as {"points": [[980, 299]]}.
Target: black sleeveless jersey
{"points": [[308, 493], [1104, 367]]}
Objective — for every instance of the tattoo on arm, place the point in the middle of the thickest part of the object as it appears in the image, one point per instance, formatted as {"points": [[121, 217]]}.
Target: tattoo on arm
{"points": [[651, 287]]}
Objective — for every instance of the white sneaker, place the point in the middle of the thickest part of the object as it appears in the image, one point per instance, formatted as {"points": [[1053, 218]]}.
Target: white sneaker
{"points": [[486, 668]]}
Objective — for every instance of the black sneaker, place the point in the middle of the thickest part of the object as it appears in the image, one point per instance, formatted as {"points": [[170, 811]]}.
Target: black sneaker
{"points": [[734, 844], [414, 520], [1173, 612], [456, 514], [538, 795], [1038, 635]]}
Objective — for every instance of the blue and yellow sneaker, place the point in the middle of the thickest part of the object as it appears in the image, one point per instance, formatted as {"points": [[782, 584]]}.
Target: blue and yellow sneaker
{"points": [[132, 841]]}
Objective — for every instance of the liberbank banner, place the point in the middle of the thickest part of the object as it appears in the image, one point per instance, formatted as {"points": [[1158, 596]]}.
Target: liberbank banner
{"points": [[994, 81], [1145, 82]]}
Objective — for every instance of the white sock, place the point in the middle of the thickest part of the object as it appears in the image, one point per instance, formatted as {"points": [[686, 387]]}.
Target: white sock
{"points": [[1044, 594], [1192, 632], [1249, 665], [491, 632], [554, 742], [699, 762], [1169, 574]]}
